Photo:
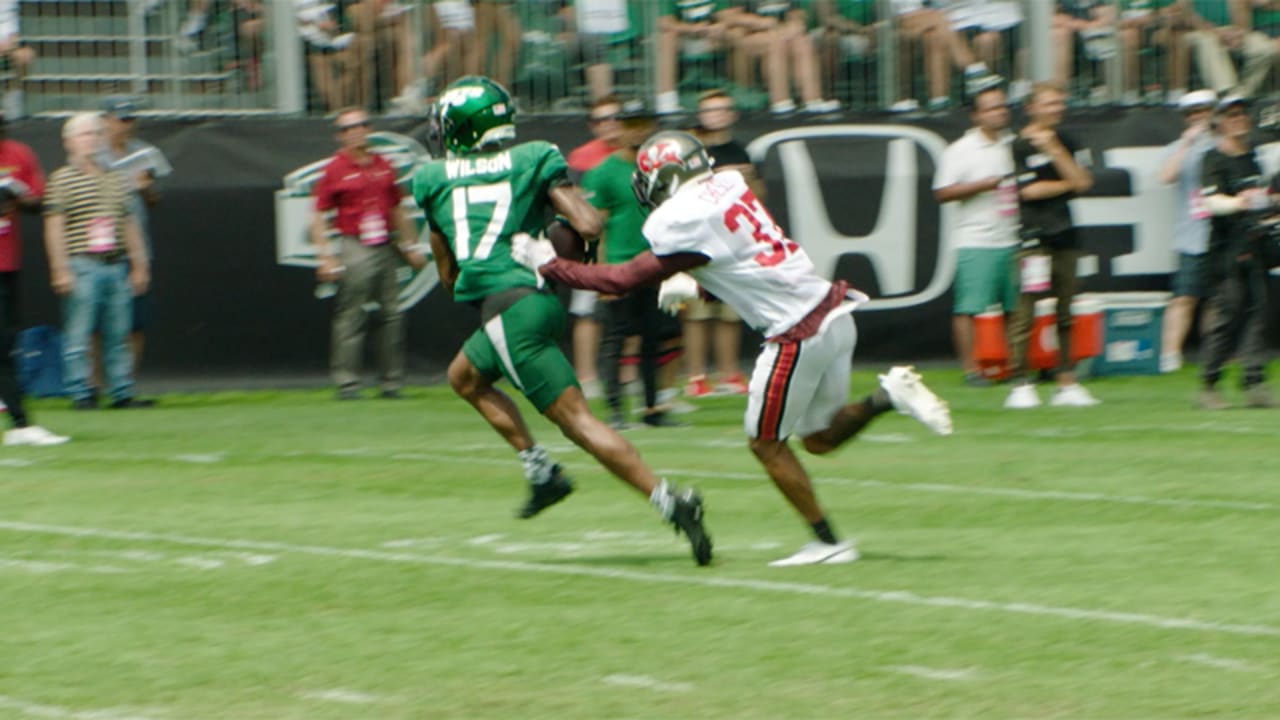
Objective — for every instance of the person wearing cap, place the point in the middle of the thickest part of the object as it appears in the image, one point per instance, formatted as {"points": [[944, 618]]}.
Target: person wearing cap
{"points": [[608, 188], [1181, 168], [1235, 193], [361, 234], [21, 188], [141, 164], [96, 263]]}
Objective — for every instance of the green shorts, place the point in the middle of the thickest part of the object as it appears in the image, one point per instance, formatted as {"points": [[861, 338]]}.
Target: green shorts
{"points": [[985, 277], [522, 344]]}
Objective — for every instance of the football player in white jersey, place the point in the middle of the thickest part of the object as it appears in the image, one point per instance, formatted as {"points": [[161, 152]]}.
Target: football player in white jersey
{"points": [[711, 225]]}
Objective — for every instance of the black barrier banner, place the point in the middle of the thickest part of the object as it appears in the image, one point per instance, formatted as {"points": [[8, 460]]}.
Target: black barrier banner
{"points": [[233, 288]]}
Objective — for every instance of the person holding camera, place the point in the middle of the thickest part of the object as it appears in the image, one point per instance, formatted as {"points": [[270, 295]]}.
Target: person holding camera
{"points": [[1182, 168], [1236, 195]]}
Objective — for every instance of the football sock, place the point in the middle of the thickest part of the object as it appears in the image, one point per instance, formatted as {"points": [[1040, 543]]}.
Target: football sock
{"points": [[879, 401], [537, 465], [663, 499], [824, 532]]}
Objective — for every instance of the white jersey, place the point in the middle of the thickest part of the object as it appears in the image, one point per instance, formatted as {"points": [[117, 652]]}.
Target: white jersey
{"points": [[764, 276]]}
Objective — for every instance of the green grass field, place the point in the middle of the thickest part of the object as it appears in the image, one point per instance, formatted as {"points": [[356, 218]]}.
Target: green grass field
{"points": [[280, 556]]}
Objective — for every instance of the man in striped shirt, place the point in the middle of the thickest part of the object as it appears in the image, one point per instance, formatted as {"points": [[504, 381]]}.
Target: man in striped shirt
{"points": [[96, 263]]}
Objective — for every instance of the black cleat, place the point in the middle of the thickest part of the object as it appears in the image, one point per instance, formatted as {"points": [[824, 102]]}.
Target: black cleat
{"points": [[544, 495], [687, 517]]}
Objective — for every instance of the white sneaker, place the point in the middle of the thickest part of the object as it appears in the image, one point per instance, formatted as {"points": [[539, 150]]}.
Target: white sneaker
{"points": [[1073, 395], [911, 397], [33, 435], [782, 107], [820, 553], [822, 106], [1021, 397], [903, 106], [1170, 362]]}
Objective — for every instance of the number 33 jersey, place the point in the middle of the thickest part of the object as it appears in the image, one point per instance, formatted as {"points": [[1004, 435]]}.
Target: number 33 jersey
{"points": [[764, 276], [479, 200]]}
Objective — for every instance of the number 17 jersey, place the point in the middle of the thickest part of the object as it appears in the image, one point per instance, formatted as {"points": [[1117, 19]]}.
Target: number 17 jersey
{"points": [[479, 200], [764, 276]]}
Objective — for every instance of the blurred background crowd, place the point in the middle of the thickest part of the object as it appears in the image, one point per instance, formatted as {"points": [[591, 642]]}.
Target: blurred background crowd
{"points": [[818, 56]]}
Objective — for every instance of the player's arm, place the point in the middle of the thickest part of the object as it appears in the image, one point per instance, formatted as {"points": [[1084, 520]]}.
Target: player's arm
{"points": [[446, 264], [570, 205], [643, 269], [966, 190]]}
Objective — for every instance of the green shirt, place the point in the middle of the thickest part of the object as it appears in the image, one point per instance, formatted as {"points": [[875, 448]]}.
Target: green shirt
{"points": [[608, 187], [478, 201], [862, 12], [1215, 11]]}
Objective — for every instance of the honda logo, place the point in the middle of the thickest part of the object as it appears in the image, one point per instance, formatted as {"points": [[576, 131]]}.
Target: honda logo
{"points": [[893, 245]]}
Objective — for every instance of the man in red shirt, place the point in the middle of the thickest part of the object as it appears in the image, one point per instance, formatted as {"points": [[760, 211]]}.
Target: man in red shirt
{"points": [[21, 186], [357, 212]]}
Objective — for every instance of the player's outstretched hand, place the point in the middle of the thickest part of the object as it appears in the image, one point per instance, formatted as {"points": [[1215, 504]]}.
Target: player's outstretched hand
{"points": [[531, 252], [676, 291]]}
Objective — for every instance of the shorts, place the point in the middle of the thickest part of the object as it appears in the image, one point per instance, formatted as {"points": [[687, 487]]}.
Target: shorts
{"points": [[796, 388], [1191, 278], [522, 344], [582, 303], [985, 277], [455, 14], [141, 312], [700, 309]]}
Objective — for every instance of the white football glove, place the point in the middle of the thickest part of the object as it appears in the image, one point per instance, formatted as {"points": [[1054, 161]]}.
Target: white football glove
{"points": [[531, 252], [676, 291]]}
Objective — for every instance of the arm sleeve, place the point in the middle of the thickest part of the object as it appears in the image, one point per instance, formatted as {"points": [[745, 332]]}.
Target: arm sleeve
{"points": [[30, 173], [949, 170], [643, 269]]}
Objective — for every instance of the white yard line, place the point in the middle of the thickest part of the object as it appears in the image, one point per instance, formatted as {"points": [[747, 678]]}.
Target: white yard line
{"points": [[202, 458], [929, 673], [899, 597], [31, 709], [1220, 663], [1008, 492], [647, 683], [338, 695], [16, 462]]}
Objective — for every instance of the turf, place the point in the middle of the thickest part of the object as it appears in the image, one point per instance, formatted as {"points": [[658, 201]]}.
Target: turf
{"points": [[279, 556]]}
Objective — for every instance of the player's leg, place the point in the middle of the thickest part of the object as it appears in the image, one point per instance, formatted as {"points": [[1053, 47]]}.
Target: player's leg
{"points": [[472, 374], [782, 385], [533, 361], [829, 421]]}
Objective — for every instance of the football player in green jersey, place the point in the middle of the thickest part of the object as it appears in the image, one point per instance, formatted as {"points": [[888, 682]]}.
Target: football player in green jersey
{"points": [[476, 198]]}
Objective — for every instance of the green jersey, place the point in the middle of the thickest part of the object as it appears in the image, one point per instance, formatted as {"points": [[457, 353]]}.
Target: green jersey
{"points": [[608, 187], [478, 201]]}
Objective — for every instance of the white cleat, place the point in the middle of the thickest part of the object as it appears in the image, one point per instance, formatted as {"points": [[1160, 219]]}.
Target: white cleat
{"points": [[1073, 395], [911, 397], [1022, 397], [33, 435], [820, 553]]}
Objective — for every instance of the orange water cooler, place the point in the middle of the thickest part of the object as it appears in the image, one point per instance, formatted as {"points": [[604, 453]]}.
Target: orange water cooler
{"points": [[992, 352]]}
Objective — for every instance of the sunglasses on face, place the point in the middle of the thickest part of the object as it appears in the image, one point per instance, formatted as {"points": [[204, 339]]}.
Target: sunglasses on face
{"points": [[349, 126], [602, 118]]}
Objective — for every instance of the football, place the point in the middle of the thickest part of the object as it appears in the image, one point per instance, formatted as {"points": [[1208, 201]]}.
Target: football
{"points": [[566, 241]]}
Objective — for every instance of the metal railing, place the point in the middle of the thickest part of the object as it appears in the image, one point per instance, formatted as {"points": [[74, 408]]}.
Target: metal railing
{"points": [[300, 56]]}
